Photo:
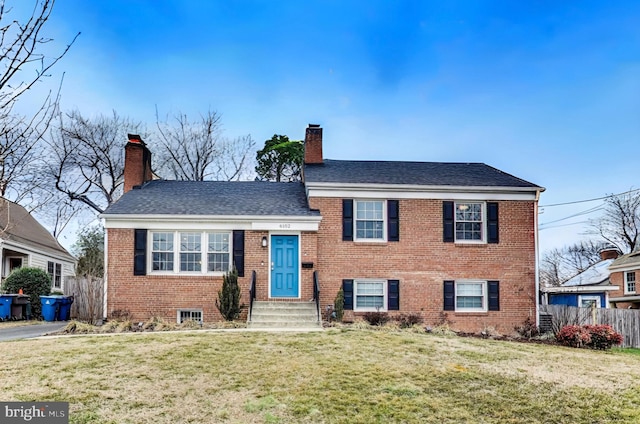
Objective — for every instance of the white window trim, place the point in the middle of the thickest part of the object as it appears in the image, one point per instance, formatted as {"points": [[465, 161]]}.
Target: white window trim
{"points": [[190, 310], [384, 222], [56, 266], [485, 296], [589, 297], [204, 253], [385, 297], [483, 225], [626, 291]]}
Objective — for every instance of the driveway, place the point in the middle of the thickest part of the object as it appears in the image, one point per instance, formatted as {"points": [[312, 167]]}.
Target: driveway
{"points": [[30, 331]]}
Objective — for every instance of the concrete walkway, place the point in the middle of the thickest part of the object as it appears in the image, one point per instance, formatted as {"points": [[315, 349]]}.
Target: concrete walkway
{"points": [[30, 330]]}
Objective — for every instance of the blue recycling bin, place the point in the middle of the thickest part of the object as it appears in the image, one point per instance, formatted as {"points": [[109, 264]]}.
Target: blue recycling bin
{"points": [[64, 310], [5, 307], [50, 306]]}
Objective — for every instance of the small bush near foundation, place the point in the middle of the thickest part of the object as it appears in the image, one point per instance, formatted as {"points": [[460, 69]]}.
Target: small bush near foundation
{"points": [[409, 320], [338, 305], [376, 318], [528, 329], [228, 302], [600, 337]]}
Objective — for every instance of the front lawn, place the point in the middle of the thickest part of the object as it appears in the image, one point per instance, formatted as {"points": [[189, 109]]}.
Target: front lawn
{"points": [[335, 376]]}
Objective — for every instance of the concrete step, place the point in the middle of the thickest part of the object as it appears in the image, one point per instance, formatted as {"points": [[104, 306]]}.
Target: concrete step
{"points": [[267, 314]]}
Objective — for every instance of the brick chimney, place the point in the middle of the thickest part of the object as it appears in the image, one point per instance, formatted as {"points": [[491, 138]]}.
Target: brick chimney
{"points": [[313, 144], [609, 252], [137, 163]]}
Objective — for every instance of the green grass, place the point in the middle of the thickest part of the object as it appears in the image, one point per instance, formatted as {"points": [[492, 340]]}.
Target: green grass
{"points": [[336, 376]]}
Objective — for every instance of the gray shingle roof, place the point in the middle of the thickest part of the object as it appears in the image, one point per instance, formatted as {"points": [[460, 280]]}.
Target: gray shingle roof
{"points": [[18, 225], [412, 173], [628, 260], [216, 198]]}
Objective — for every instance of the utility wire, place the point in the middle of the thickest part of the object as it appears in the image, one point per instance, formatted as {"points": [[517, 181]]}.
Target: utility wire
{"points": [[589, 200]]}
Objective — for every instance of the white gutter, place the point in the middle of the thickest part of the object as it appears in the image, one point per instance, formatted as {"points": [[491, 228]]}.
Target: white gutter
{"points": [[537, 260], [105, 276]]}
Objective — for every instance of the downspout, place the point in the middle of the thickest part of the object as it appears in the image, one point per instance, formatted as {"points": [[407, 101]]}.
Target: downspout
{"points": [[537, 254], [105, 274]]}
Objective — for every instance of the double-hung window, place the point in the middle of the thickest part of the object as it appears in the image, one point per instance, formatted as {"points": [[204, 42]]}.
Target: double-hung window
{"points": [[54, 270], [630, 282], [195, 251], [471, 296], [370, 295], [218, 252], [190, 252], [469, 221], [162, 252], [369, 220]]}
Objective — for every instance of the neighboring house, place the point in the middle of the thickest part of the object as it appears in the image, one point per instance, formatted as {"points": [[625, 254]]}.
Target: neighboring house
{"points": [[590, 287], [452, 242], [624, 272], [26, 243]]}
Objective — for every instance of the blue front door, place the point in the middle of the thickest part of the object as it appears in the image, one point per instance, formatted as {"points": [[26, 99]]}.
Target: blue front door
{"points": [[284, 266]]}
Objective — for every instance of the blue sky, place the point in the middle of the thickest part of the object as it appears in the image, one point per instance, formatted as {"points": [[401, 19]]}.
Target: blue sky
{"points": [[546, 90]]}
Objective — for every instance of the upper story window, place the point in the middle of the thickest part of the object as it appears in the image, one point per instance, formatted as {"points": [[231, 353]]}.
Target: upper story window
{"points": [[369, 220], [469, 221], [191, 254], [54, 270], [629, 282]]}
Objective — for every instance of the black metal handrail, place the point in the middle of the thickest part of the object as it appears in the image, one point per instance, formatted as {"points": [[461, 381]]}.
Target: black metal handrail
{"points": [[316, 293], [252, 292]]}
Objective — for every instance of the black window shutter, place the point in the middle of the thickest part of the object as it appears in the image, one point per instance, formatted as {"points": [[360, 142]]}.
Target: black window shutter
{"points": [[449, 296], [238, 251], [393, 220], [393, 295], [447, 222], [494, 295], [347, 219], [492, 222], [347, 290], [140, 252]]}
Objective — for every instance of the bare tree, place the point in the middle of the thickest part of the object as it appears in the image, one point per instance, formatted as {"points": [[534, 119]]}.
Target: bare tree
{"points": [[620, 222], [22, 65], [197, 151], [558, 265], [87, 161]]}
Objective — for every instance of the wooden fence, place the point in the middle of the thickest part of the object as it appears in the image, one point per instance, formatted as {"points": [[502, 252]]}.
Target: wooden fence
{"points": [[88, 295], [624, 321]]}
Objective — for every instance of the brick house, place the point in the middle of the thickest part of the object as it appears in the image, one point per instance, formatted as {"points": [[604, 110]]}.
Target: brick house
{"points": [[624, 271], [448, 241]]}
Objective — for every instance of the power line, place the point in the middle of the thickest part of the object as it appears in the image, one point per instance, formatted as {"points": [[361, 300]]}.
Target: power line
{"points": [[589, 200], [585, 212]]}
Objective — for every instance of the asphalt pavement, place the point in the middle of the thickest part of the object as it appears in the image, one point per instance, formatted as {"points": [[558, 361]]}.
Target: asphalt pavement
{"points": [[30, 331]]}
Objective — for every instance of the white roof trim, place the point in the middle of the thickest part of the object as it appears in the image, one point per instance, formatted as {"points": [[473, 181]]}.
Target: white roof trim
{"points": [[406, 191], [624, 299], [214, 222], [579, 289], [29, 250]]}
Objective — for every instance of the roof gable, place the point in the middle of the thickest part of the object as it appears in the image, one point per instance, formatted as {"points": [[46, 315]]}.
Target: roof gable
{"points": [[18, 225]]}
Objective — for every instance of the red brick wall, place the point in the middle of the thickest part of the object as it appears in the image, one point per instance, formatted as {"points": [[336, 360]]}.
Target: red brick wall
{"points": [[422, 261], [162, 295], [617, 279]]}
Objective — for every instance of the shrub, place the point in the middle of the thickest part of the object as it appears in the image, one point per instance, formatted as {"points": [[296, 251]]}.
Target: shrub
{"points": [[409, 320], [528, 329], [338, 305], [34, 282], [376, 318], [591, 336], [603, 337], [228, 302]]}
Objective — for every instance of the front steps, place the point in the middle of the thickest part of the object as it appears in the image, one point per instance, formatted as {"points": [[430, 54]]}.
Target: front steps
{"points": [[284, 315]]}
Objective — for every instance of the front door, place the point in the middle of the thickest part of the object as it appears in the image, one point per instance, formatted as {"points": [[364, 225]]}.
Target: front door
{"points": [[284, 266]]}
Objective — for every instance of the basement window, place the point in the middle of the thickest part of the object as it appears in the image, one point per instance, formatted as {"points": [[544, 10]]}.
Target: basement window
{"points": [[189, 315]]}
